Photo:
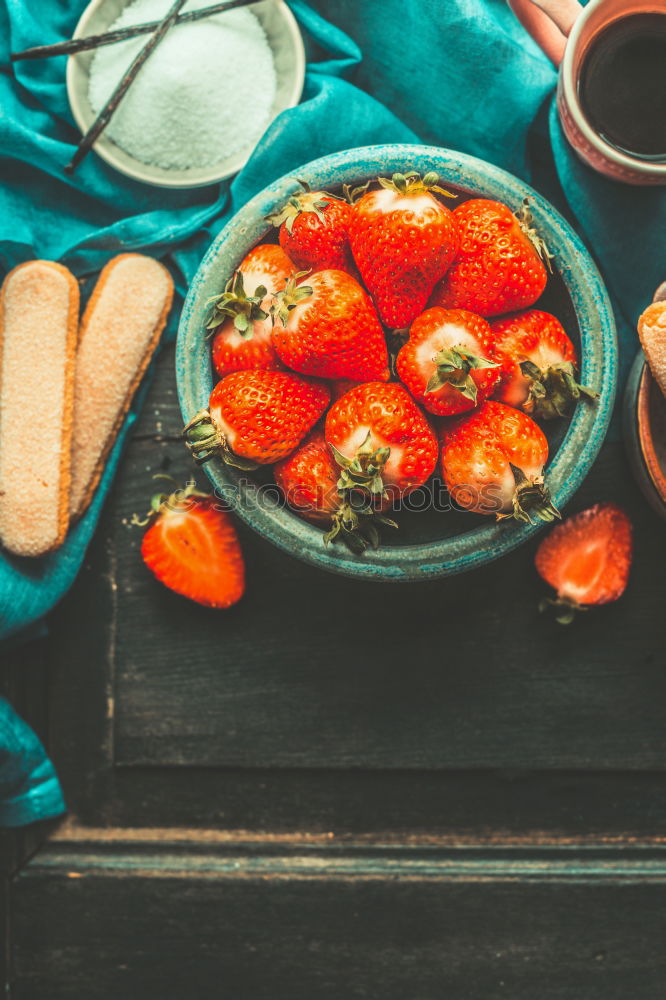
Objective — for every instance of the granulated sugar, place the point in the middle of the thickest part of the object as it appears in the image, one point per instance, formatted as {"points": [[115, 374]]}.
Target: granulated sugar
{"points": [[205, 93]]}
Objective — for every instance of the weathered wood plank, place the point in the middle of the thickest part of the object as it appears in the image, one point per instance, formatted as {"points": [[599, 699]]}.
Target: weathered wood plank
{"points": [[314, 670], [140, 924]]}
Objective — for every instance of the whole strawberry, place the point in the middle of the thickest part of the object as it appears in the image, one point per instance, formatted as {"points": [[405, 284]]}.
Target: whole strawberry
{"points": [[314, 231], [403, 240], [191, 546], [381, 440], [539, 364], [256, 418], [326, 325], [447, 362], [586, 559], [492, 463], [240, 316], [309, 478], [499, 268]]}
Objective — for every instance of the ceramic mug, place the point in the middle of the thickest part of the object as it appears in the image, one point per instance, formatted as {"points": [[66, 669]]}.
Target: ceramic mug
{"points": [[565, 30]]}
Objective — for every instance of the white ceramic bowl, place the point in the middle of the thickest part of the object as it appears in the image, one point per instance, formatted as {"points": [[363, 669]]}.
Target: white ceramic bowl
{"points": [[285, 40]]}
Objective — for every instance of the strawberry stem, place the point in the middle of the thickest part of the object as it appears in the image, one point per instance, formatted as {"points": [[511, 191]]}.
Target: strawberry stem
{"points": [[364, 470], [307, 201], [453, 368], [356, 525], [554, 390], [289, 297], [565, 608], [526, 223], [204, 440], [161, 502], [531, 498], [411, 182], [244, 309]]}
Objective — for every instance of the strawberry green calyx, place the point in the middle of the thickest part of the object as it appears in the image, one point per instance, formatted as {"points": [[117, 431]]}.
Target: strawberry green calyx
{"points": [[554, 390], [289, 297], [205, 440], [531, 499], [298, 203], [355, 523], [234, 302], [565, 609], [352, 192], [453, 368], [364, 470], [161, 503], [412, 183], [526, 223]]}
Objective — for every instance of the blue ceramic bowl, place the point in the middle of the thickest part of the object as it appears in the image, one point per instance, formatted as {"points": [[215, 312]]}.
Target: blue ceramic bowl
{"points": [[430, 543]]}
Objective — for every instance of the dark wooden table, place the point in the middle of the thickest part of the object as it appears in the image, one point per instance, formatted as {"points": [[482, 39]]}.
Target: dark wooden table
{"points": [[340, 789]]}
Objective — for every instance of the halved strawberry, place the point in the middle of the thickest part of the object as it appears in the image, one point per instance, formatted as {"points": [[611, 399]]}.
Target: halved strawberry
{"points": [[499, 268], [309, 479], [314, 231], [403, 240], [586, 559], [256, 418], [447, 363], [240, 316], [326, 325], [191, 546], [381, 440], [539, 367], [492, 463]]}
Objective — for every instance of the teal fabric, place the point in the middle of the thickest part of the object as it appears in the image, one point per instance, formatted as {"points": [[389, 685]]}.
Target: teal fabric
{"points": [[457, 73], [29, 788]]}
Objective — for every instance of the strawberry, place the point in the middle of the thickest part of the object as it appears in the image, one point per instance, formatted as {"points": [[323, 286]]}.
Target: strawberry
{"points": [[192, 547], [381, 440], [314, 231], [309, 480], [326, 325], [492, 463], [499, 267], [403, 240], [341, 386], [447, 362], [539, 364], [240, 316], [586, 559], [256, 418]]}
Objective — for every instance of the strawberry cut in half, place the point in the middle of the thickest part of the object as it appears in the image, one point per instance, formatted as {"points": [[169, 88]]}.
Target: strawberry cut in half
{"points": [[539, 365], [447, 363], [586, 559], [326, 325], [493, 461], [309, 479], [403, 240], [240, 318], [314, 231], [191, 546], [381, 440], [499, 267], [256, 418]]}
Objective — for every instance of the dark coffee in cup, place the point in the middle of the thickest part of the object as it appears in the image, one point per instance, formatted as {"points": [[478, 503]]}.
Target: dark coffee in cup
{"points": [[622, 85]]}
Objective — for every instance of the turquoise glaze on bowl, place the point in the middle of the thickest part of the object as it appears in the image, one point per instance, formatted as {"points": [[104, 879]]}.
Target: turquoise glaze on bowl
{"points": [[435, 543]]}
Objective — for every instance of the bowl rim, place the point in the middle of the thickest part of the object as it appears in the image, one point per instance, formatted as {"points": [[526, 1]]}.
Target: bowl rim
{"points": [[145, 173], [587, 426]]}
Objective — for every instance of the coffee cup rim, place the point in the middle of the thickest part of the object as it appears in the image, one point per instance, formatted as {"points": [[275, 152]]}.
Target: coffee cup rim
{"points": [[570, 88]]}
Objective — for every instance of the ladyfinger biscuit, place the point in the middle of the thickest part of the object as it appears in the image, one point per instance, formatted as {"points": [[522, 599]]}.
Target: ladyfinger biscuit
{"points": [[119, 333], [652, 333], [39, 316]]}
